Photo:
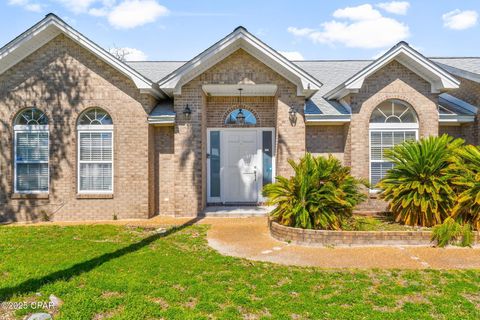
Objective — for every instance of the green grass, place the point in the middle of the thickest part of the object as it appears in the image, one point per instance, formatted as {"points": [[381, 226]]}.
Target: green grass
{"points": [[132, 273], [383, 223]]}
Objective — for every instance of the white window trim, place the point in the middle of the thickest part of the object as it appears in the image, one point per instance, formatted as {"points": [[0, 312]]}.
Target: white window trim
{"points": [[98, 129], [397, 128], [21, 129], [24, 128], [393, 126]]}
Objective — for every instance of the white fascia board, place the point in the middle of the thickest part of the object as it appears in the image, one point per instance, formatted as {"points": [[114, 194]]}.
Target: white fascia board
{"points": [[327, 119], [439, 78], [53, 22], [240, 38], [455, 118], [162, 120], [223, 90]]}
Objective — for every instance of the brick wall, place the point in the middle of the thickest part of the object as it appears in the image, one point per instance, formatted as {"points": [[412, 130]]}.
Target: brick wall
{"points": [[352, 238], [218, 108], [469, 91], [325, 140], [63, 79], [394, 81], [190, 136], [164, 160]]}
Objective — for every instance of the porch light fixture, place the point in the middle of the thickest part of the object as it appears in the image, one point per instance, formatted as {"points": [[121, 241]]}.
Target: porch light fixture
{"points": [[187, 112], [292, 116], [240, 118]]}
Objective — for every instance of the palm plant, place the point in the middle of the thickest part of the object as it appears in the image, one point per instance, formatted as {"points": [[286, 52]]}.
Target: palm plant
{"points": [[419, 186], [467, 180], [320, 195]]}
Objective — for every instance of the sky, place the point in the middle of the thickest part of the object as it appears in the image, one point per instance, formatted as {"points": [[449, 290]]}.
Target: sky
{"points": [[301, 30]]}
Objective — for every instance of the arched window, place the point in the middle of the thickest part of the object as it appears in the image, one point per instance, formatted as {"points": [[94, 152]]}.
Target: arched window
{"points": [[241, 117], [95, 152], [31, 146], [391, 123]]}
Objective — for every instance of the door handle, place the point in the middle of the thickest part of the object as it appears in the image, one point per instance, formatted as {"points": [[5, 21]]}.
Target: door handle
{"points": [[254, 173]]}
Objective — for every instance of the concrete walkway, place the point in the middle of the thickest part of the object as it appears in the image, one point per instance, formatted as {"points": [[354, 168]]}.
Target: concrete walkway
{"points": [[249, 238]]}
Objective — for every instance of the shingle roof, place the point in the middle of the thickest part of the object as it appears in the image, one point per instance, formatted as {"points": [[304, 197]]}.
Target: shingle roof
{"points": [[467, 64], [155, 70], [331, 73]]}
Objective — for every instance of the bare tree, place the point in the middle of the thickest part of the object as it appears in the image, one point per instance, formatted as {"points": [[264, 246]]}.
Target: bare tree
{"points": [[119, 53]]}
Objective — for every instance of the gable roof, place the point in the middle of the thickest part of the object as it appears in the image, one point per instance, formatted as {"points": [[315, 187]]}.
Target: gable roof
{"points": [[307, 85], [331, 73], [468, 68], [408, 57], [50, 27]]}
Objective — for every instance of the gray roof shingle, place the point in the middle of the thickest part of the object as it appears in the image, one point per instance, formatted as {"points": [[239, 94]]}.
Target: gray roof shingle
{"points": [[331, 73], [155, 70]]}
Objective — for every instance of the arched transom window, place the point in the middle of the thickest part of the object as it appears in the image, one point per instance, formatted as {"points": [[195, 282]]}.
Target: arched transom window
{"points": [[241, 117], [95, 152], [391, 123], [31, 146], [393, 111]]}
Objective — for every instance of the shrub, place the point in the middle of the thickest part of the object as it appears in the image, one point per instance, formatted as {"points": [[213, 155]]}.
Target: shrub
{"points": [[320, 195], [452, 232], [419, 186], [467, 181]]}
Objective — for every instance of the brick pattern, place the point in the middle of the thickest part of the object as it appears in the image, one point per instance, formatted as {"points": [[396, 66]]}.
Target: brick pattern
{"points": [[351, 238], [164, 171], [469, 91], [63, 79], [190, 136], [394, 81], [325, 140], [218, 109]]}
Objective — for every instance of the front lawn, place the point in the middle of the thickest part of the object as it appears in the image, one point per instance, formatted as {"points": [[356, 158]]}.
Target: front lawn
{"points": [[132, 273]]}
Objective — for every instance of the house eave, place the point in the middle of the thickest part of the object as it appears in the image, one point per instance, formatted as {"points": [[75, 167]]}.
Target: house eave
{"points": [[326, 119], [52, 26], [240, 38], [162, 120], [439, 79], [455, 119]]}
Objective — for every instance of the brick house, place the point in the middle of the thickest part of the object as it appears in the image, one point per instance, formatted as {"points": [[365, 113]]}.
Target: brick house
{"points": [[86, 136]]}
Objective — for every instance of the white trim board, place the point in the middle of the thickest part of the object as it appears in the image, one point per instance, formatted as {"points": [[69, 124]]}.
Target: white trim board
{"points": [[408, 57], [240, 38], [52, 26]]}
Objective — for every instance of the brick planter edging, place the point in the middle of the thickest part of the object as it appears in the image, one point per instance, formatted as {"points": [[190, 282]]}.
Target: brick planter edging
{"points": [[352, 238]]}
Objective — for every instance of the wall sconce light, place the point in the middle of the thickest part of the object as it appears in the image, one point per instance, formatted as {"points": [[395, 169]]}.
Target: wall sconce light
{"points": [[187, 112], [292, 115]]}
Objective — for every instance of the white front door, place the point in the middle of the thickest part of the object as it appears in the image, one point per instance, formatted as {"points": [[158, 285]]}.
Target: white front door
{"points": [[240, 166]]}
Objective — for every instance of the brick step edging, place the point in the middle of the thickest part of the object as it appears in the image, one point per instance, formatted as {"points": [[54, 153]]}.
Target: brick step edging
{"points": [[327, 238]]}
